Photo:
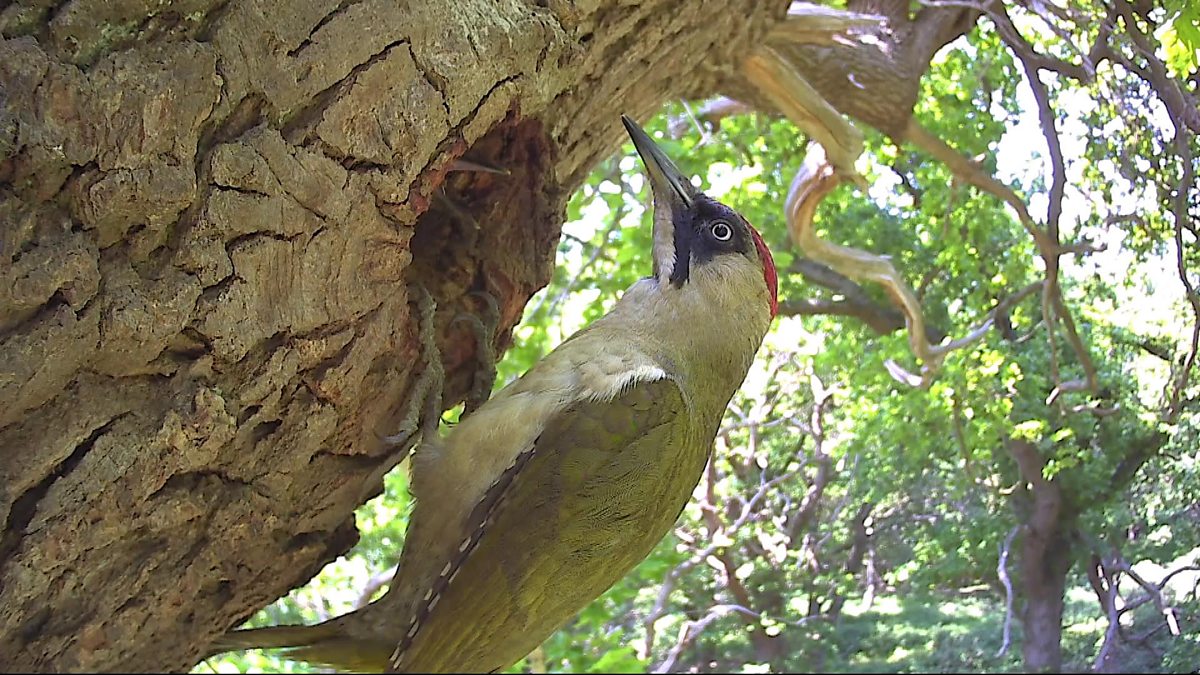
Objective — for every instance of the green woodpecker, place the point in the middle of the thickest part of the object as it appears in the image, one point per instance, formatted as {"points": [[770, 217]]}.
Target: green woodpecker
{"points": [[557, 486]]}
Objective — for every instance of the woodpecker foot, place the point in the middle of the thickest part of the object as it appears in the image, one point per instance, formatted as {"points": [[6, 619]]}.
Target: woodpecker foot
{"points": [[425, 403], [484, 327], [456, 211]]}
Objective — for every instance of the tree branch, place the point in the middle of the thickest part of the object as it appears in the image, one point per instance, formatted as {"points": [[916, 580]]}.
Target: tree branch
{"points": [[1103, 585], [1051, 251], [1155, 592], [816, 179], [712, 112], [1180, 212], [972, 173], [855, 303], [1002, 572], [809, 23], [780, 82], [376, 582], [1182, 106]]}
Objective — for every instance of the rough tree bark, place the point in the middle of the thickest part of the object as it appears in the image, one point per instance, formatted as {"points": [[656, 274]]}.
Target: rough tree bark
{"points": [[211, 212]]}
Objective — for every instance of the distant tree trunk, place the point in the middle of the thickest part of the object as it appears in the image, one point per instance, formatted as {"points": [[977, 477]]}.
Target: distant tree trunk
{"points": [[1046, 559], [210, 215]]}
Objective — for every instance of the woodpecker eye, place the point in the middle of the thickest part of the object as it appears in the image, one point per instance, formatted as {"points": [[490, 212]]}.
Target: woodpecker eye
{"points": [[721, 231]]}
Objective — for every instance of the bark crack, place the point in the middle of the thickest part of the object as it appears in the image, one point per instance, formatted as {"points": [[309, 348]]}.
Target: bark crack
{"points": [[241, 190], [440, 84], [187, 481], [337, 11], [304, 118], [243, 240], [25, 507]]}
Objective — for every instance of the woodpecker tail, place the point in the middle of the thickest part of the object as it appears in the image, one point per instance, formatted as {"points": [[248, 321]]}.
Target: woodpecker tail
{"points": [[321, 645]]}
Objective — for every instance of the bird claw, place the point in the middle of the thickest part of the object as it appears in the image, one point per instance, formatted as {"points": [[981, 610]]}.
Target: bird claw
{"points": [[425, 410], [484, 326], [425, 413]]}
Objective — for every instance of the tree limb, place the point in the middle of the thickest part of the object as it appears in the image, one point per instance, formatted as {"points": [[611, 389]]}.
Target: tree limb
{"points": [[1180, 104], [712, 112], [376, 582], [1104, 586], [1002, 572], [971, 172], [1180, 211], [809, 23], [780, 82], [1051, 251]]}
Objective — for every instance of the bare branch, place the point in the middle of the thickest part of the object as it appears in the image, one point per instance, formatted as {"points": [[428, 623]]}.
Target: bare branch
{"points": [[1180, 212], [614, 222], [1002, 572], [1155, 592], [1004, 308], [1103, 585], [716, 527], [692, 629], [1084, 71], [813, 24], [816, 179], [373, 585], [1186, 568], [688, 633], [972, 173], [811, 184], [1083, 247], [674, 127], [1051, 250], [660, 604], [855, 303], [1095, 409], [882, 320], [780, 82], [712, 113], [1180, 104]]}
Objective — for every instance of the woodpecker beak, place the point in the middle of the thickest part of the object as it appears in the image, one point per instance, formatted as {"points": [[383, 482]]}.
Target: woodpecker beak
{"points": [[673, 196], [665, 178]]}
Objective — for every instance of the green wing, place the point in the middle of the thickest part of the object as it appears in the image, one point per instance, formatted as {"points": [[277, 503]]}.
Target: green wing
{"points": [[601, 486]]}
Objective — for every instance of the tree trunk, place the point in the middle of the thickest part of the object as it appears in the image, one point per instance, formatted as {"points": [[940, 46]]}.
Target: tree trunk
{"points": [[211, 214], [1046, 559]]}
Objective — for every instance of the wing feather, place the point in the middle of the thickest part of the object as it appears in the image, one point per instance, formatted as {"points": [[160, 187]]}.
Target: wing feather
{"points": [[600, 487]]}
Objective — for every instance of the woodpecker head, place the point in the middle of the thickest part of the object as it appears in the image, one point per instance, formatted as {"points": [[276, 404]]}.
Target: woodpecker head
{"points": [[694, 233]]}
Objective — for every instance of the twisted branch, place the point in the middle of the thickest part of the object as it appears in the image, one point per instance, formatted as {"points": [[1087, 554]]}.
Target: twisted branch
{"points": [[788, 91], [816, 179], [1002, 572]]}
